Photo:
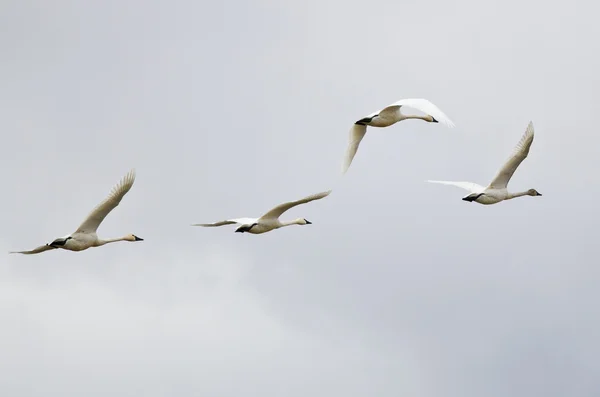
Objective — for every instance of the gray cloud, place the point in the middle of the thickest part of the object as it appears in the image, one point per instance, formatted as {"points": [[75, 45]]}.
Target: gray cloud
{"points": [[226, 109]]}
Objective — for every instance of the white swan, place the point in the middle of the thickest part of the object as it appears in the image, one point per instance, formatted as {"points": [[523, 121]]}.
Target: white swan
{"points": [[270, 220], [496, 191], [391, 115], [85, 236]]}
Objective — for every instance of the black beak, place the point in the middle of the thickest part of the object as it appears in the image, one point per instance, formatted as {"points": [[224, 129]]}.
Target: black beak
{"points": [[308, 222], [539, 194], [137, 238], [433, 120], [238, 230]]}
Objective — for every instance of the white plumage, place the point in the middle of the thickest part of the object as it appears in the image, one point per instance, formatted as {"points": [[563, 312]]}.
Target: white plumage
{"points": [[270, 220], [497, 190], [390, 115], [85, 235]]}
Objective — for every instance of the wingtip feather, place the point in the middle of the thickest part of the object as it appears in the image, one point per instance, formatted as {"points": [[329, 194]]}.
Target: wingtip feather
{"points": [[530, 129]]}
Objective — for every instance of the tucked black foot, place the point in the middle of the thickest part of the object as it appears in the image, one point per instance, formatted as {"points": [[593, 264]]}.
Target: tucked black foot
{"points": [[472, 197], [365, 121], [59, 242], [245, 228]]}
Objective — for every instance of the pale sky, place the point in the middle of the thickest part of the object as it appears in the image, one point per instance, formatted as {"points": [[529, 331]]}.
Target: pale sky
{"points": [[226, 109]]}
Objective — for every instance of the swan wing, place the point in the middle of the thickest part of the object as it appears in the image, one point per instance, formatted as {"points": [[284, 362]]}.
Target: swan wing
{"points": [[280, 209], [420, 104], [241, 221], [519, 154], [357, 133], [37, 250], [470, 186], [96, 217]]}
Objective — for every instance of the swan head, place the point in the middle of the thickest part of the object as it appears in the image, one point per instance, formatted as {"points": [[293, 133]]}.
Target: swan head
{"points": [[302, 221], [133, 237], [432, 119], [533, 192]]}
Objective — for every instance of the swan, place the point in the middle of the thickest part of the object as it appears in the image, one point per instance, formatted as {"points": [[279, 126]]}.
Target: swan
{"points": [[390, 115], [496, 191], [270, 220], [85, 235]]}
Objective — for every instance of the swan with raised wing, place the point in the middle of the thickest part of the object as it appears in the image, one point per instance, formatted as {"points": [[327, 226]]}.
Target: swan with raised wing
{"points": [[85, 235], [270, 220], [388, 116], [497, 190]]}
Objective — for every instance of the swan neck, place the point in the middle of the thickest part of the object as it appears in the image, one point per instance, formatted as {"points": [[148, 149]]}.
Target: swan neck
{"points": [[412, 116], [515, 195], [101, 242], [289, 223]]}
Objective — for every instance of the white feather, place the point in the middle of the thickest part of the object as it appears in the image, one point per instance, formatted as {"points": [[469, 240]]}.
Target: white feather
{"points": [[388, 116], [85, 235], [270, 220], [497, 190]]}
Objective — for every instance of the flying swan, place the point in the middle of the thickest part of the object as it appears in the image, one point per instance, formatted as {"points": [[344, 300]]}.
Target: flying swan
{"points": [[388, 116], [270, 220], [85, 236], [496, 191]]}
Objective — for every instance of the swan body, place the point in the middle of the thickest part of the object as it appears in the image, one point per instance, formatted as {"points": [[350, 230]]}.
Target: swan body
{"points": [[85, 236], [390, 115], [497, 190], [270, 220]]}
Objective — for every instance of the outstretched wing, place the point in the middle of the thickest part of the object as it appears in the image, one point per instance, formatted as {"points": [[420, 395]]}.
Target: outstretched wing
{"points": [[470, 186], [519, 154], [96, 217], [280, 209], [241, 221], [37, 250], [420, 104], [357, 133]]}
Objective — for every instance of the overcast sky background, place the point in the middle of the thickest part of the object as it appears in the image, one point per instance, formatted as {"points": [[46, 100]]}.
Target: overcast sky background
{"points": [[227, 109]]}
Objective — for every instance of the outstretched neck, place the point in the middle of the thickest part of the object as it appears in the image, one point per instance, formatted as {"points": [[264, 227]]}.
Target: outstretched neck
{"points": [[101, 242], [411, 116], [288, 223], [515, 195]]}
